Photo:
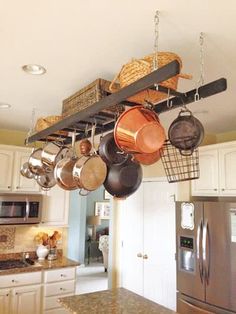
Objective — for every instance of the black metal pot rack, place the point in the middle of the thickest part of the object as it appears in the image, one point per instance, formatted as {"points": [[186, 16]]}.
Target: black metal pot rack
{"points": [[79, 121]]}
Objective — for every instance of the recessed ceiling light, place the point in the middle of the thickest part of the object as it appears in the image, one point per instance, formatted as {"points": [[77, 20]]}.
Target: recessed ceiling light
{"points": [[34, 69], [4, 105]]}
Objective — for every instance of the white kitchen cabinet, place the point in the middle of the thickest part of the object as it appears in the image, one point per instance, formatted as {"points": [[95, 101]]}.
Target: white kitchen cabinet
{"points": [[58, 283], [5, 301], [11, 159], [26, 300], [6, 169], [148, 243], [55, 207], [21, 293], [217, 171]]}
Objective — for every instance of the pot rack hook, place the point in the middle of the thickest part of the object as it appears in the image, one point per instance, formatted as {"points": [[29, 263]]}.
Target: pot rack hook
{"points": [[31, 129]]}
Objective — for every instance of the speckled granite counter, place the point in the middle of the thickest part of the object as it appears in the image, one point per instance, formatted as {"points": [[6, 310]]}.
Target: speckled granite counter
{"points": [[60, 262], [114, 301]]}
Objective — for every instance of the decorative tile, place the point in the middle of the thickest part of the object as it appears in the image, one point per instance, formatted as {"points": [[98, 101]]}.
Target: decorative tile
{"points": [[7, 237]]}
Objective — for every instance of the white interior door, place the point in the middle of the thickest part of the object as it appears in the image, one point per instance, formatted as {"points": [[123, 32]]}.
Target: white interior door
{"points": [[159, 271], [132, 242]]}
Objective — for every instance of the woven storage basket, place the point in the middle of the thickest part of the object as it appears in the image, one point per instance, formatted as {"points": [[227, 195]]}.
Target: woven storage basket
{"points": [[87, 96], [46, 122], [138, 68]]}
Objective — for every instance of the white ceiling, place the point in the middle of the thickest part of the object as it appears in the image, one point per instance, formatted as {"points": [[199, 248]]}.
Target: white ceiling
{"points": [[79, 41]]}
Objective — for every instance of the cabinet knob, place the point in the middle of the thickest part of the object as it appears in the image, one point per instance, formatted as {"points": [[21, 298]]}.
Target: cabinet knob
{"points": [[139, 255], [62, 275], [13, 280], [62, 289], [222, 189], [9, 187], [17, 187], [215, 189], [7, 295], [145, 256]]}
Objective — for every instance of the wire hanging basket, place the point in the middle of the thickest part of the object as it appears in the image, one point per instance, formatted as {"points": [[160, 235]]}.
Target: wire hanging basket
{"points": [[179, 167]]}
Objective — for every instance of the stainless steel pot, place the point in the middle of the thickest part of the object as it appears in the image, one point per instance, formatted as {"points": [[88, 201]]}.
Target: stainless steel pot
{"points": [[46, 181], [25, 171], [52, 153], [36, 165], [89, 172]]}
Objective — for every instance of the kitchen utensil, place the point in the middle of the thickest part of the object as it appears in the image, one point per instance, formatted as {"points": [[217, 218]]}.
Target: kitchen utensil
{"points": [[35, 163], [90, 172], [85, 147], [186, 132], [52, 153], [110, 152], [25, 171], [147, 159], [124, 179], [63, 171], [46, 181], [138, 130]]}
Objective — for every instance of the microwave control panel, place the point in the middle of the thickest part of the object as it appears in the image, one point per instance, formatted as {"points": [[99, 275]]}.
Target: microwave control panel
{"points": [[186, 242]]}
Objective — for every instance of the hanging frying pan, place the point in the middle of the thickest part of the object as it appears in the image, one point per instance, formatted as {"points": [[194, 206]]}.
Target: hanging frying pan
{"points": [[186, 132], [110, 152], [124, 179]]}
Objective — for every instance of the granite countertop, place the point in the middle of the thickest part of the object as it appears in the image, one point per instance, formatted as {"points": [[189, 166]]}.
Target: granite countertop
{"points": [[115, 301], [60, 262]]}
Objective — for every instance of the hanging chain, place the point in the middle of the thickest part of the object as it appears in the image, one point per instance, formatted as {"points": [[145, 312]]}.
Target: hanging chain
{"points": [[31, 129], [200, 81], [156, 22]]}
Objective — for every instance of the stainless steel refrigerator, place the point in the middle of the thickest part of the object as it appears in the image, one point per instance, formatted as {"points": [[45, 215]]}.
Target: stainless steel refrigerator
{"points": [[206, 257]]}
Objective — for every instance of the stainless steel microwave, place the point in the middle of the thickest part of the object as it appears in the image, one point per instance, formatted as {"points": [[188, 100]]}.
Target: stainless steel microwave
{"points": [[20, 209]]}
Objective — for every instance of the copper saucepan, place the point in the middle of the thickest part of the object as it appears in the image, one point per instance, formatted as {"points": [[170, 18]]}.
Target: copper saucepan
{"points": [[138, 130], [147, 159]]}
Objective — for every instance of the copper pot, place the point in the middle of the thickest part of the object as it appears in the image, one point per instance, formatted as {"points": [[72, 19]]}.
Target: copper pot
{"points": [[147, 159], [138, 130], [85, 147]]}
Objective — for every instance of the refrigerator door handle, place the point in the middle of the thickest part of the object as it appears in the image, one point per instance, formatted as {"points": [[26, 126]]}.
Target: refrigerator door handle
{"points": [[199, 257], [206, 252]]}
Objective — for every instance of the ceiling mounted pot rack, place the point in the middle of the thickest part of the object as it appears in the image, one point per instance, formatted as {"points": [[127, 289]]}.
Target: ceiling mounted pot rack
{"points": [[80, 121]]}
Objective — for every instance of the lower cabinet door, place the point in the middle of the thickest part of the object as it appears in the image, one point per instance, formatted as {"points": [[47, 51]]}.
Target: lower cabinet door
{"points": [[27, 300], [5, 301]]}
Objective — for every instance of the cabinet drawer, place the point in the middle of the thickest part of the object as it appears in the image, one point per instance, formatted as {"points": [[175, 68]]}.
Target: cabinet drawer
{"points": [[20, 279], [52, 302], [59, 274], [57, 288]]}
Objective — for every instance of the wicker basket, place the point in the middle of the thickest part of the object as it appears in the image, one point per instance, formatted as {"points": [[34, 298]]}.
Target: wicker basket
{"points": [[87, 96], [138, 68], [46, 122]]}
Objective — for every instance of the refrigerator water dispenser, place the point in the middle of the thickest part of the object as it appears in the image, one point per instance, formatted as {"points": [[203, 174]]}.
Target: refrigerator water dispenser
{"points": [[186, 254]]}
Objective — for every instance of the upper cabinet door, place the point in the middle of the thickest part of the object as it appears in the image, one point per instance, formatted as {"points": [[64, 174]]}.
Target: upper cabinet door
{"points": [[208, 183], [55, 207], [6, 168], [20, 183], [227, 166]]}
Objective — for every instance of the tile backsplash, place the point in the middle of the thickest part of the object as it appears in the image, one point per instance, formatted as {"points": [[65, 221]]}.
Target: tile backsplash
{"points": [[7, 238], [15, 239]]}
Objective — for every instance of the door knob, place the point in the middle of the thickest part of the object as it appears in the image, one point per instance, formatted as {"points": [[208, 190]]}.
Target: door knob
{"points": [[139, 255], [145, 256]]}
